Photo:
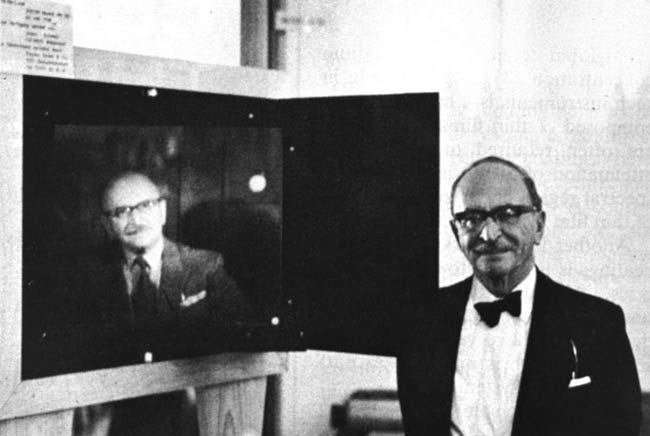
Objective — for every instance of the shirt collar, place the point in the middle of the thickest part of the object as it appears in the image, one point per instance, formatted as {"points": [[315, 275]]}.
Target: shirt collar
{"points": [[479, 293], [152, 256]]}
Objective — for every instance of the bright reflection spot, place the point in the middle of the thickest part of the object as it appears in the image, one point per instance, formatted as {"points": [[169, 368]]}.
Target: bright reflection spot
{"points": [[152, 92], [257, 183]]}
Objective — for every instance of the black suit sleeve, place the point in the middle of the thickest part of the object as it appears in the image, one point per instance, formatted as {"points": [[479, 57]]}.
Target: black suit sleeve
{"points": [[232, 308], [415, 396], [218, 322], [420, 378]]}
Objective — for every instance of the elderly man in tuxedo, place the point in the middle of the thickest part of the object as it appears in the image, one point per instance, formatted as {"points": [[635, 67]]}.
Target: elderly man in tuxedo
{"points": [[148, 299], [509, 351]]}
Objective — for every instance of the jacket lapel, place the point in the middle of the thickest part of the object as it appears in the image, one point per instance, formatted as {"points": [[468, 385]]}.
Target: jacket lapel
{"points": [[116, 297], [548, 360], [456, 301], [172, 277]]}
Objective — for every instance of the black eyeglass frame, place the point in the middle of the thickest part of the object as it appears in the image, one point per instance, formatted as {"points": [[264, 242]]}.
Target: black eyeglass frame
{"points": [[122, 212], [500, 214]]}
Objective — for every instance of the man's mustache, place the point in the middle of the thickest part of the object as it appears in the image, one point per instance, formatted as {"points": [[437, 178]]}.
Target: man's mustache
{"points": [[136, 228], [482, 248]]}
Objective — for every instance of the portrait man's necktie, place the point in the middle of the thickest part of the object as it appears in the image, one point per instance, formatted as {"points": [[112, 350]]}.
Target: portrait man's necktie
{"points": [[143, 297], [491, 312]]}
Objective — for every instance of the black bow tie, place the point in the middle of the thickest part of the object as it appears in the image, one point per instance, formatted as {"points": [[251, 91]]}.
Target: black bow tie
{"points": [[491, 312]]}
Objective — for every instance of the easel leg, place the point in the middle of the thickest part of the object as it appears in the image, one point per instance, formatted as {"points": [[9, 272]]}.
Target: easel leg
{"points": [[232, 409]]}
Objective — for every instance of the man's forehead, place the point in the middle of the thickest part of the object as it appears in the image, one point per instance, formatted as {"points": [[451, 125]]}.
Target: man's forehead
{"points": [[130, 187], [489, 185]]}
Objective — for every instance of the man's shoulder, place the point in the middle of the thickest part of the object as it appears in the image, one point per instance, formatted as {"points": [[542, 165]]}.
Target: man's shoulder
{"points": [[457, 287], [459, 290], [196, 256], [98, 255], [582, 303]]}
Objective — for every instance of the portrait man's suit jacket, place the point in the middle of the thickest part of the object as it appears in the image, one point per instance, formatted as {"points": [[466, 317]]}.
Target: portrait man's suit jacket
{"points": [[200, 307], [608, 405]]}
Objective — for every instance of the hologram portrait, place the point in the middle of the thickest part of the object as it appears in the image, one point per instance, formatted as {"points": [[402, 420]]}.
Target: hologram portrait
{"points": [[148, 243]]}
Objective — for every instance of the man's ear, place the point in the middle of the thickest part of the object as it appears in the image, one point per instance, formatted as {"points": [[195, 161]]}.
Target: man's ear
{"points": [[541, 223], [163, 211], [107, 226]]}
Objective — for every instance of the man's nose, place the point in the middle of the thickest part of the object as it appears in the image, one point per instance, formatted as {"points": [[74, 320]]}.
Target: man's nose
{"points": [[491, 230], [133, 217]]}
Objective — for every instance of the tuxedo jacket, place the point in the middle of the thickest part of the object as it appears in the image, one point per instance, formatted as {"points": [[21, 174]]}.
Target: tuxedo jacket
{"points": [[608, 405], [200, 309]]}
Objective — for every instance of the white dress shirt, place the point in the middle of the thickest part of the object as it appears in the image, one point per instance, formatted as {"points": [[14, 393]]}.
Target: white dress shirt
{"points": [[153, 257], [489, 365]]}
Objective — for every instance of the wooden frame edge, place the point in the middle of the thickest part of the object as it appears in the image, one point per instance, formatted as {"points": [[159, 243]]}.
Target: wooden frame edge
{"points": [[72, 390], [11, 142], [129, 69], [29, 397]]}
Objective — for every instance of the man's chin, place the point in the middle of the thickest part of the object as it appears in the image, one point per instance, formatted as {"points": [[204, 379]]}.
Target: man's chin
{"points": [[138, 244], [494, 264]]}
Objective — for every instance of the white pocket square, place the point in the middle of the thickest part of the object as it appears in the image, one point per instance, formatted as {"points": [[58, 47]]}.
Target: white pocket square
{"points": [[192, 299], [580, 381]]}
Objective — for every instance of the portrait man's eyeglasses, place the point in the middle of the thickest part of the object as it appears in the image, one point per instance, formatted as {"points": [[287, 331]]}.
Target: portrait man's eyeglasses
{"points": [[473, 219], [122, 212]]}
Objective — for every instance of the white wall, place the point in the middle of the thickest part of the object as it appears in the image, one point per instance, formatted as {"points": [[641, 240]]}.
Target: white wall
{"points": [[561, 88], [318, 379], [206, 31]]}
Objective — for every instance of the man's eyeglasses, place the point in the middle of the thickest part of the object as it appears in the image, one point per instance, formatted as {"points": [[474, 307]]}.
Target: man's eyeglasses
{"points": [[122, 212], [472, 219]]}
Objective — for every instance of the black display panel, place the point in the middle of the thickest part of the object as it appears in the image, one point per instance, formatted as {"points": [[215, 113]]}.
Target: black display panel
{"points": [[324, 211], [361, 216], [217, 160]]}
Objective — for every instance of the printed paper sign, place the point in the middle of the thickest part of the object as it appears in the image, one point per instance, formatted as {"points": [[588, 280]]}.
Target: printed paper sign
{"points": [[36, 38]]}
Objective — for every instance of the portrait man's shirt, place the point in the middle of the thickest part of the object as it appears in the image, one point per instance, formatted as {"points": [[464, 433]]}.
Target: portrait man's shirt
{"points": [[153, 258]]}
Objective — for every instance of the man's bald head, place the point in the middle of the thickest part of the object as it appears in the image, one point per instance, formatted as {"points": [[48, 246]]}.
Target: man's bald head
{"points": [[135, 211], [528, 181]]}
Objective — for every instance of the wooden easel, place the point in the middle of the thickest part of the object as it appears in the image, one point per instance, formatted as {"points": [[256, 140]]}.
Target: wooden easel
{"points": [[230, 400]]}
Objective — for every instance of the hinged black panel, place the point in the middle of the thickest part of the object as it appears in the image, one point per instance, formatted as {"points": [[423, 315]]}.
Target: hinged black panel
{"points": [[361, 215]]}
